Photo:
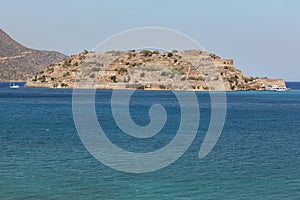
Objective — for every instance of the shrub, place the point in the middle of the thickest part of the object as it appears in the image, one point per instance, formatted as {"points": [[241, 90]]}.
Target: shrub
{"points": [[113, 78], [232, 79], [169, 54], [232, 69], [179, 70], [122, 70], [50, 69], [146, 53], [140, 87], [67, 63], [64, 85], [42, 79], [82, 57], [163, 87], [194, 78], [66, 74], [142, 75]]}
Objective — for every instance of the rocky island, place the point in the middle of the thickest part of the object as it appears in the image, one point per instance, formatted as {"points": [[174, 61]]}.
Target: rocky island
{"points": [[148, 70]]}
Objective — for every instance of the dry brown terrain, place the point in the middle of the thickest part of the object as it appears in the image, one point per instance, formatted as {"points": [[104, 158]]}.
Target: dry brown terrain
{"points": [[18, 62], [152, 70]]}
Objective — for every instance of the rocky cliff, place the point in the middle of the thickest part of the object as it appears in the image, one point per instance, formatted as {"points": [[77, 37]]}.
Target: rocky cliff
{"points": [[176, 70], [18, 62]]}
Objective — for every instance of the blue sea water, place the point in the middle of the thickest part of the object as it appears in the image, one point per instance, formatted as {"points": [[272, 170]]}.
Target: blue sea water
{"points": [[256, 157], [293, 85]]}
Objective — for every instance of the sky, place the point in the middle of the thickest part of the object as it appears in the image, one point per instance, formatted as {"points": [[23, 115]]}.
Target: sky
{"points": [[262, 36]]}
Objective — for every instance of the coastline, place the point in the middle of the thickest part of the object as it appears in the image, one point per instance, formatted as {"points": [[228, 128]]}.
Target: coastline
{"points": [[23, 85], [5, 84]]}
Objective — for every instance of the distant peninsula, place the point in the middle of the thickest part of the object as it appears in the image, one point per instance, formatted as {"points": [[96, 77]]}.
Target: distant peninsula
{"points": [[18, 62], [148, 70]]}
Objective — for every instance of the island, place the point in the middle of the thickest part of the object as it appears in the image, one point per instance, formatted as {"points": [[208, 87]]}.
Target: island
{"points": [[192, 69]]}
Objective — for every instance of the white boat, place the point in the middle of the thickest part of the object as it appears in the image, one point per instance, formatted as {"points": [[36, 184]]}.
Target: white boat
{"points": [[13, 85], [281, 89], [276, 88]]}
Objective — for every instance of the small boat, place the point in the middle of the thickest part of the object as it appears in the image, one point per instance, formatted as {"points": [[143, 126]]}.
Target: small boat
{"points": [[13, 85], [276, 88]]}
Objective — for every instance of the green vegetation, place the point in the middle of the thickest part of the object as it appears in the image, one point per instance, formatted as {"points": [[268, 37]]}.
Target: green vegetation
{"points": [[67, 63], [63, 85], [163, 87], [146, 53], [179, 70], [113, 78], [136, 86], [250, 79], [140, 87], [194, 78], [122, 71], [50, 69], [142, 75], [232, 69], [232, 79], [169, 54], [42, 79], [155, 52], [115, 53], [66, 74], [82, 56]]}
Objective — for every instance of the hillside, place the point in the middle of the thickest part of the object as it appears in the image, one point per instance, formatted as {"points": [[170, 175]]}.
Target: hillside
{"points": [[176, 70], [18, 62]]}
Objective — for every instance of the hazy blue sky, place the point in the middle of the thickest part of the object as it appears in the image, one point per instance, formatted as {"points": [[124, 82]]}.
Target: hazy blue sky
{"points": [[263, 37]]}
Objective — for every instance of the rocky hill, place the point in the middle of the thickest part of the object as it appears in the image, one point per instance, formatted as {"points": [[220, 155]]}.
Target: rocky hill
{"points": [[18, 62], [176, 70]]}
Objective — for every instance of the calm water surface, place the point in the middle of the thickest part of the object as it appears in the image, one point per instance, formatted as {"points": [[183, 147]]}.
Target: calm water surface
{"points": [[256, 157]]}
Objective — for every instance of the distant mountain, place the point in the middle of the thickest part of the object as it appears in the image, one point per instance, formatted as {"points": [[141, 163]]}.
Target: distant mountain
{"points": [[18, 62]]}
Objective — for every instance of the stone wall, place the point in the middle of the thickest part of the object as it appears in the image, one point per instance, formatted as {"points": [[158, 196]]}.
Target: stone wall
{"points": [[223, 62]]}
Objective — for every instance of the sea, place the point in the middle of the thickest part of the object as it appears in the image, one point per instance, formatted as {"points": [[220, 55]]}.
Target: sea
{"points": [[42, 156]]}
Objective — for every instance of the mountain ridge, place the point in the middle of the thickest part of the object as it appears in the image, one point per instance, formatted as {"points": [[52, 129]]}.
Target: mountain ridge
{"points": [[19, 62]]}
